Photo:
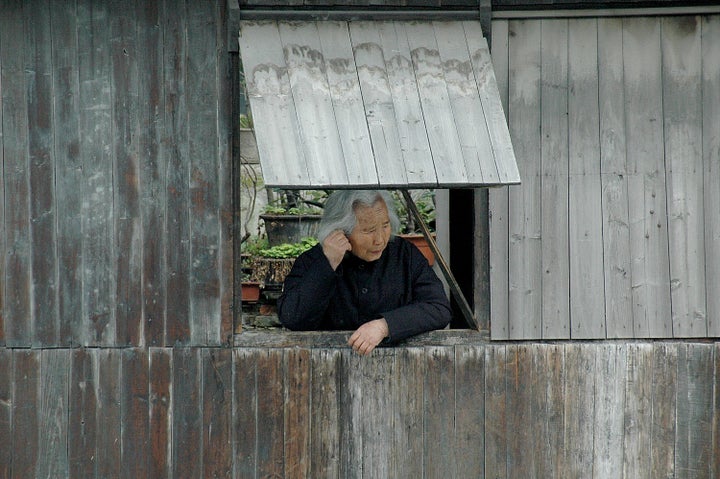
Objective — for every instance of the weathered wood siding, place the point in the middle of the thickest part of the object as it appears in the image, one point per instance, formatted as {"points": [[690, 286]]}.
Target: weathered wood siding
{"points": [[470, 410], [614, 230], [115, 186]]}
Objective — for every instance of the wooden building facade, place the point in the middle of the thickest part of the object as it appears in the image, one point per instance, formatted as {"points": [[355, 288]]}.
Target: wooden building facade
{"points": [[118, 356]]}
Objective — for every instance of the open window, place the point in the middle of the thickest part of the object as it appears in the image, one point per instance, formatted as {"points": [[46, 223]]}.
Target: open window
{"points": [[382, 104]]}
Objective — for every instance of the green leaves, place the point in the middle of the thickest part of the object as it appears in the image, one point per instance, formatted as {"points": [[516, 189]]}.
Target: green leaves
{"points": [[288, 250]]}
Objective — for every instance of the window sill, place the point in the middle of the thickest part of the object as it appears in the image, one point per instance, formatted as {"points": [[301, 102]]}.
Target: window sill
{"points": [[282, 338]]}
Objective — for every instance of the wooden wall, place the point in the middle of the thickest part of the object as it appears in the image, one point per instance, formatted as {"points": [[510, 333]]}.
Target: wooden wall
{"points": [[436, 408], [615, 230], [115, 185]]}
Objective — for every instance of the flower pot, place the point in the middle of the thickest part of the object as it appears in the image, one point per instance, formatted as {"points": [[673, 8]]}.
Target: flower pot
{"points": [[290, 228], [421, 243], [250, 291], [271, 271]]}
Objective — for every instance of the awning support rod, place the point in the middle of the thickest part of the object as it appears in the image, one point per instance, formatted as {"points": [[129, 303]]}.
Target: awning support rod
{"points": [[452, 282]]}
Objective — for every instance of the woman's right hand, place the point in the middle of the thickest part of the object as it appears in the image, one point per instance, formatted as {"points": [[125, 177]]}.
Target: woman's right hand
{"points": [[335, 246]]}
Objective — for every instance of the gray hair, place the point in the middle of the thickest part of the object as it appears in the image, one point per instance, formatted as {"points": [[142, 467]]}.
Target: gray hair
{"points": [[339, 210]]}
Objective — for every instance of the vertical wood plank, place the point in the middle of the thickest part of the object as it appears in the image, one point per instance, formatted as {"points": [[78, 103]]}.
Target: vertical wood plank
{"points": [[646, 178], [160, 421], [664, 401], [324, 434], [469, 444], [135, 407], [152, 168], [310, 92], [711, 162], [490, 93], [17, 301], [174, 327], [442, 130], [297, 412], [579, 409], [638, 411], [82, 431], [554, 187], [496, 414], [6, 416], [693, 453], [498, 203], [53, 414], [124, 53], [347, 102], [463, 87], [38, 73], [519, 393], [378, 414], [587, 285], [68, 169], [377, 97], [682, 119], [109, 384], [525, 225], [187, 437], [548, 411], [202, 90], [245, 420], [225, 124], [351, 414], [2, 220], [409, 394], [614, 178], [414, 145], [25, 413], [270, 413], [716, 412], [217, 412], [439, 412], [272, 105], [94, 72], [610, 369]]}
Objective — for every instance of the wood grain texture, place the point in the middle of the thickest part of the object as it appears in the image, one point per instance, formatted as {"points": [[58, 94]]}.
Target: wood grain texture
{"points": [[646, 178], [174, 327], [53, 409], [38, 73], [614, 179], [554, 188], [682, 117], [587, 288], [498, 205], [160, 384], [97, 220], [711, 164], [68, 171], [217, 408], [270, 411], [17, 282], [296, 365], [124, 47], [152, 170], [25, 413], [202, 97], [135, 409], [525, 219]]}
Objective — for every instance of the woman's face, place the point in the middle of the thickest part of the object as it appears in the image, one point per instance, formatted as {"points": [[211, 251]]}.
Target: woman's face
{"points": [[372, 231]]}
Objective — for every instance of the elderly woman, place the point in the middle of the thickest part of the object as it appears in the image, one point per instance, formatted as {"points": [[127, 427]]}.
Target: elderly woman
{"points": [[361, 277]]}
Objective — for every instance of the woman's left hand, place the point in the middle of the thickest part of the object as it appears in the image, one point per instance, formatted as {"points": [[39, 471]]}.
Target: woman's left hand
{"points": [[369, 335]]}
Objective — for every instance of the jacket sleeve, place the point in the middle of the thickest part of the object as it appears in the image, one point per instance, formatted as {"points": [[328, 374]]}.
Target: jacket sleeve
{"points": [[307, 291], [429, 308]]}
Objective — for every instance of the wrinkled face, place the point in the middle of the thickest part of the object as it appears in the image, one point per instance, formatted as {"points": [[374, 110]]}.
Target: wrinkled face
{"points": [[372, 231]]}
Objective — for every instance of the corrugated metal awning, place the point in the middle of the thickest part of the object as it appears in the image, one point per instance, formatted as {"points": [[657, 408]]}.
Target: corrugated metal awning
{"points": [[404, 104]]}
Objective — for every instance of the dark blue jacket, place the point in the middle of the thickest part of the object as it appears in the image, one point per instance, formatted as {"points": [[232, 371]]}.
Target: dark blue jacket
{"points": [[400, 286]]}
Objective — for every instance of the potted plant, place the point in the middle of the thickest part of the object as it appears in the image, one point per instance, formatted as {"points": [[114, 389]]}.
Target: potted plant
{"points": [[292, 215], [409, 228], [272, 264]]}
